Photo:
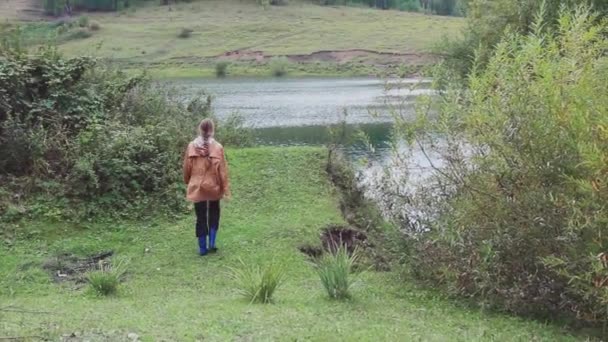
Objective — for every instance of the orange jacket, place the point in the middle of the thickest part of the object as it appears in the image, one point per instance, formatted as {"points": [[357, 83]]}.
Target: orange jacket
{"points": [[206, 176]]}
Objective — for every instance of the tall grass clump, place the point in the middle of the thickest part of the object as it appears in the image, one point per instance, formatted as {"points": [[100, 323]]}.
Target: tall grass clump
{"points": [[106, 280], [221, 69], [279, 66], [515, 214], [335, 270], [257, 283]]}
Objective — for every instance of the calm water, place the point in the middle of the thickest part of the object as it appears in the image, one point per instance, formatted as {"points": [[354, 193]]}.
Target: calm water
{"points": [[293, 102], [296, 111]]}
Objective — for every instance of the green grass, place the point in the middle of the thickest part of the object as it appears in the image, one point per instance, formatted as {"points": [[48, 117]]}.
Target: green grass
{"points": [[282, 199], [335, 271], [148, 37]]}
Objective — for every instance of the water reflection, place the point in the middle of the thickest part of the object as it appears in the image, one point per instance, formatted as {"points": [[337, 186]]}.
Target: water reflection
{"points": [[290, 102], [297, 111]]}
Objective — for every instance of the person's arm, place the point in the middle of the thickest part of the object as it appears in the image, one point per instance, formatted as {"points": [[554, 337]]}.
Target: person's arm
{"points": [[224, 176], [187, 166]]}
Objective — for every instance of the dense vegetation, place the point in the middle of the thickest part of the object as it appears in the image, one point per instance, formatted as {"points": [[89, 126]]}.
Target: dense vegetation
{"points": [[515, 211], [441, 7], [488, 20], [78, 138], [63, 7]]}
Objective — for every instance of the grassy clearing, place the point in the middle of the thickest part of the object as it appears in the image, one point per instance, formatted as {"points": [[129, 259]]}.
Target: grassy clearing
{"points": [[148, 36], [281, 200]]}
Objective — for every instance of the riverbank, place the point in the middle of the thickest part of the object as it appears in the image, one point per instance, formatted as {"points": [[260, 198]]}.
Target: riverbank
{"points": [[240, 69], [282, 199]]}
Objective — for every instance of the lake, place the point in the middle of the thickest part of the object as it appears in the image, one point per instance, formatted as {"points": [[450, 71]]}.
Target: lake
{"points": [[297, 111]]}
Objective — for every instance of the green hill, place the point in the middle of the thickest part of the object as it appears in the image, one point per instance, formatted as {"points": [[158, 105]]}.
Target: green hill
{"points": [[316, 39]]}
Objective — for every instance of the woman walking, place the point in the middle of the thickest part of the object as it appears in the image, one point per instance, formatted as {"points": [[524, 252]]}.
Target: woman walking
{"points": [[206, 174]]}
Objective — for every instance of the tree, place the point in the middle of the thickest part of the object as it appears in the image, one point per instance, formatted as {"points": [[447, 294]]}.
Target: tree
{"points": [[487, 21], [515, 207]]}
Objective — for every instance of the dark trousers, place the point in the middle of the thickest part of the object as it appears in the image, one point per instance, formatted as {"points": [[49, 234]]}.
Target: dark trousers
{"points": [[207, 217]]}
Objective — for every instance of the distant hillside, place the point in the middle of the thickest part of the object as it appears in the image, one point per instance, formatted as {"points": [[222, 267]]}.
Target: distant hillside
{"points": [[248, 35]]}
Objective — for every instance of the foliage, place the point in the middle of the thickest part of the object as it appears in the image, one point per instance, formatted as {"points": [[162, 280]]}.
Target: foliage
{"points": [[279, 66], [488, 20], [83, 21], [441, 7], [54, 7], [221, 68], [335, 272], [59, 8], [409, 5], [185, 33], [258, 283], [95, 26], [516, 205], [100, 141], [80, 33], [233, 131], [105, 281]]}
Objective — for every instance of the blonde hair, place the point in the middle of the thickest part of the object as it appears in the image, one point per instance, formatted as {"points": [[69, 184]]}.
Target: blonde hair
{"points": [[206, 128]]}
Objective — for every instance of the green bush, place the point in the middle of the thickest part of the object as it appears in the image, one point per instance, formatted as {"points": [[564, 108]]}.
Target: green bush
{"points": [[258, 283], [279, 66], [80, 33], [517, 213], [233, 132], [335, 272], [108, 143], [410, 6], [185, 33], [54, 7], [221, 68], [106, 280], [83, 21], [95, 26], [487, 21]]}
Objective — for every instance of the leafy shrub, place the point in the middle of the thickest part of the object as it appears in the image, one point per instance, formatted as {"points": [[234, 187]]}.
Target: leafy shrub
{"points": [[54, 7], [108, 143], [221, 68], [410, 6], [83, 21], [516, 212], [80, 34], [94, 26], [185, 33], [487, 21], [258, 283], [335, 272], [106, 280], [279, 66]]}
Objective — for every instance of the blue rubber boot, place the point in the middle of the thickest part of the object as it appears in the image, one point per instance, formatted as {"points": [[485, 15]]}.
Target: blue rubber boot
{"points": [[202, 245], [212, 236]]}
